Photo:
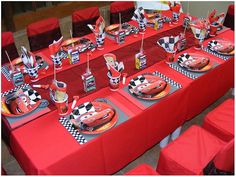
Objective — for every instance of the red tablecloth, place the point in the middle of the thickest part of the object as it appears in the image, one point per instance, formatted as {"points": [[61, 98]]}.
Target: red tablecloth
{"points": [[43, 146]]}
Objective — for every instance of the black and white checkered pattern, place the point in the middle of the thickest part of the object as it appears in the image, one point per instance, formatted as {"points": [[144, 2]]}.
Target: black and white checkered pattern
{"points": [[176, 16], [113, 80], [100, 39], [183, 71], [56, 60], [168, 42], [82, 109], [33, 95], [198, 33], [139, 16], [33, 72], [24, 86], [69, 126], [6, 72], [182, 58], [142, 25], [166, 19], [167, 79], [136, 81]]}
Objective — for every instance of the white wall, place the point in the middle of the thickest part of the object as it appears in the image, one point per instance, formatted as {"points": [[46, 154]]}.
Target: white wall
{"points": [[200, 8]]}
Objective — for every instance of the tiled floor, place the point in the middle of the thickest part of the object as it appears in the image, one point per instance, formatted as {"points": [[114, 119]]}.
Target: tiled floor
{"points": [[150, 156]]}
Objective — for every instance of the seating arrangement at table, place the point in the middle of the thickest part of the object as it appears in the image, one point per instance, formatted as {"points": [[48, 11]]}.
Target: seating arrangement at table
{"points": [[90, 104]]}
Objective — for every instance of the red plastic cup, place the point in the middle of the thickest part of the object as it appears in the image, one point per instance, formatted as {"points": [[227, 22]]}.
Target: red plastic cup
{"points": [[198, 44], [213, 29], [170, 57], [62, 105], [114, 82]]}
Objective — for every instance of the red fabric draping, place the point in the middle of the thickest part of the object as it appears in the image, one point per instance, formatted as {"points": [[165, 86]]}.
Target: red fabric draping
{"points": [[119, 6], [7, 38], [220, 121], [142, 169], [109, 152], [224, 159], [85, 14], [42, 26], [190, 153]]}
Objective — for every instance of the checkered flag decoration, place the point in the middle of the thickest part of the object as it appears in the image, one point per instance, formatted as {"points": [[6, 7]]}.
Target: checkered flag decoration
{"points": [[33, 72], [56, 59], [182, 58], [176, 16], [24, 86], [82, 109], [33, 95], [168, 43], [113, 80], [167, 79], [69, 126], [183, 71], [100, 38], [139, 16], [211, 49], [135, 82]]}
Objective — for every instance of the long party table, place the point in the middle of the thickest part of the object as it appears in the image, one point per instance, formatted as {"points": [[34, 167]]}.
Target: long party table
{"points": [[43, 146]]}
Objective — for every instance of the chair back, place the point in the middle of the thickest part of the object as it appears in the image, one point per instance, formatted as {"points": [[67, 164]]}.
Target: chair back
{"points": [[125, 8], [81, 18], [8, 44], [42, 33]]}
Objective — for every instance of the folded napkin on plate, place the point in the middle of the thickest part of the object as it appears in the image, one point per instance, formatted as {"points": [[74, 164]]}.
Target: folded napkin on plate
{"points": [[28, 58]]}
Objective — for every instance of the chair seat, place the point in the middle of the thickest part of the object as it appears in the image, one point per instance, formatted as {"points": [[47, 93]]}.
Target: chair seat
{"points": [[142, 169], [190, 153], [220, 121]]}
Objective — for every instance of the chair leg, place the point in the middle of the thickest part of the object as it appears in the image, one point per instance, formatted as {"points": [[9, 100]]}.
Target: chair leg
{"points": [[176, 133], [164, 141]]}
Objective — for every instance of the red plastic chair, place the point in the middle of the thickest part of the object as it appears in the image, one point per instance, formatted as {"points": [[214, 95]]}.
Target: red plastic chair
{"points": [[42, 33], [81, 18], [8, 45], [220, 121], [125, 8], [229, 18], [142, 169], [190, 153]]}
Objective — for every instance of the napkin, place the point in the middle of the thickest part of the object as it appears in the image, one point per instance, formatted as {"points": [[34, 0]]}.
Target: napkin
{"points": [[140, 16], [55, 46], [213, 18], [174, 7], [200, 28], [168, 43], [99, 27], [28, 58], [114, 67]]}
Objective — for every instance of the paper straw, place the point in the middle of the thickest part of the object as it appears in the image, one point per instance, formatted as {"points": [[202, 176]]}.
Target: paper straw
{"points": [[9, 61], [54, 72], [141, 48], [88, 63], [185, 28], [120, 20], [71, 37]]}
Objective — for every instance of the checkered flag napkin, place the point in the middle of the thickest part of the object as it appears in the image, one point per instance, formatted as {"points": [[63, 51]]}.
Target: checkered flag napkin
{"points": [[24, 86], [183, 71], [100, 39], [6, 72], [69, 126], [168, 43], [182, 58], [139, 16], [34, 96], [167, 79], [136, 81], [82, 109]]}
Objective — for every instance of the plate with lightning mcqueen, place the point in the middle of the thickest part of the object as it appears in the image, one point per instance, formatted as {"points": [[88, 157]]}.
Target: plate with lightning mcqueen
{"points": [[221, 46], [81, 43], [93, 117], [148, 87], [195, 62]]}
